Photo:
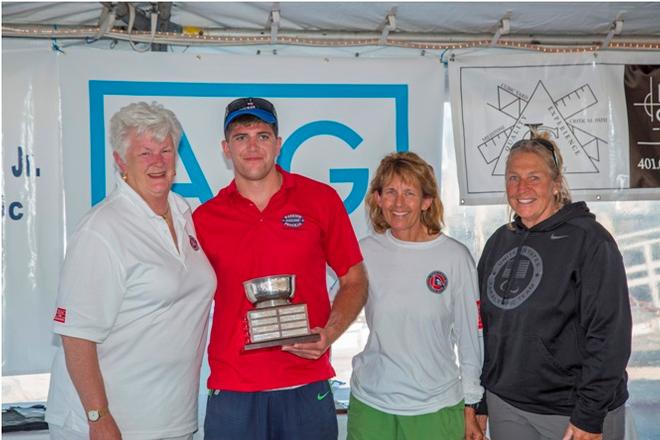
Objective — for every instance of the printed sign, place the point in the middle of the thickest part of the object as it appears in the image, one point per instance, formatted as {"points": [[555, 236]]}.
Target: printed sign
{"points": [[642, 85], [578, 99]]}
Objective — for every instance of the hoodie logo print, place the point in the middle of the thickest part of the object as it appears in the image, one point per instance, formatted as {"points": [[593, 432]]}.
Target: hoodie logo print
{"points": [[514, 278]]}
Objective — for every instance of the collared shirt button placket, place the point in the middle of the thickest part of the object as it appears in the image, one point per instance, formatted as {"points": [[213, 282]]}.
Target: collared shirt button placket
{"points": [[169, 241]]}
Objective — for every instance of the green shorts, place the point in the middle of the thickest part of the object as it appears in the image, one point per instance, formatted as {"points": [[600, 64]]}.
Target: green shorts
{"points": [[367, 423]]}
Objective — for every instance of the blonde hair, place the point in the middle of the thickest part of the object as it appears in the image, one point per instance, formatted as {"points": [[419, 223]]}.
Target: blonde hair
{"points": [[411, 169], [556, 169]]}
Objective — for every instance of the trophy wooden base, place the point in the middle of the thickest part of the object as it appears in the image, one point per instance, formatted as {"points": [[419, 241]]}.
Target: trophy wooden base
{"points": [[312, 337], [279, 325]]}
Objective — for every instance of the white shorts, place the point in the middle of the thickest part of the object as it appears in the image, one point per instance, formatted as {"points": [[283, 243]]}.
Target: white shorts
{"points": [[62, 433]]}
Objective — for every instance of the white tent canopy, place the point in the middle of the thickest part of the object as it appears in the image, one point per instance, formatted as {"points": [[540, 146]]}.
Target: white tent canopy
{"points": [[343, 23], [293, 31]]}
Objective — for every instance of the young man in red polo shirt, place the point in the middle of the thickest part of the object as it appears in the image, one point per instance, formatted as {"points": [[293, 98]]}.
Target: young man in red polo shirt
{"points": [[267, 222]]}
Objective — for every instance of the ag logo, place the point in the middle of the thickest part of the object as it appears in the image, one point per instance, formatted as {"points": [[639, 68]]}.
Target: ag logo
{"points": [[359, 177], [292, 97], [437, 281]]}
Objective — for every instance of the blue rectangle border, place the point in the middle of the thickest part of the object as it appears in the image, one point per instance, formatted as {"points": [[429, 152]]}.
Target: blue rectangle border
{"points": [[98, 89]]}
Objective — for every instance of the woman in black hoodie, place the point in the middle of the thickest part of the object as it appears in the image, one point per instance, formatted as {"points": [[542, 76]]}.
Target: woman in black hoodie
{"points": [[555, 309]]}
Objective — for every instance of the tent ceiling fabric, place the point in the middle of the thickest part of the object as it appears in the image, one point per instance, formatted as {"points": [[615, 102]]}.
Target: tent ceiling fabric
{"points": [[445, 18]]}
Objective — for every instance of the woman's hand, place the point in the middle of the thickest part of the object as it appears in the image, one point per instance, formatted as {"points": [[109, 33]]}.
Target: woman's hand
{"points": [[482, 419], [104, 429], [473, 430], [575, 433]]}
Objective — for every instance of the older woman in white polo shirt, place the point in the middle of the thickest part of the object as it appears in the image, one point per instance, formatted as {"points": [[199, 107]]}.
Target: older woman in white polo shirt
{"points": [[134, 298]]}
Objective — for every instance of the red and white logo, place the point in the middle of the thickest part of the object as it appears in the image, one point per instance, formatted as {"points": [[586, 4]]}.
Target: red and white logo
{"points": [[437, 281], [293, 220], [60, 315], [480, 324], [193, 243]]}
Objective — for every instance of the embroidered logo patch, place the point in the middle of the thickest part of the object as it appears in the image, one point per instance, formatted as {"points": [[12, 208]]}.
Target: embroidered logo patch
{"points": [[293, 220], [437, 281], [193, 243], [60, 315]]}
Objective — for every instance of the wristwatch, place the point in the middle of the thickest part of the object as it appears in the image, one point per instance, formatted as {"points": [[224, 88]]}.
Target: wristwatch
{"points": [[93, 415], [474, 406]]}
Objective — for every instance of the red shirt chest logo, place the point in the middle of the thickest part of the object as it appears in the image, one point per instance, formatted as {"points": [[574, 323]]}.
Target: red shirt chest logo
{"points": [[293, 221]]}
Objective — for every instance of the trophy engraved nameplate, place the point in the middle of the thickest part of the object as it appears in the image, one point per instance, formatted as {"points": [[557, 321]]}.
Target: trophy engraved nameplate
{"points": [[274, 320]]}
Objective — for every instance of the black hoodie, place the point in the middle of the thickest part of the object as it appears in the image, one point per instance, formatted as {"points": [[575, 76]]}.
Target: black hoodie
{"points": [[556, 315]]}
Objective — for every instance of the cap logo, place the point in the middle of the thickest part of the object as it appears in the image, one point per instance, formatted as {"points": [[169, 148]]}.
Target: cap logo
{"points": [[258, 107], [293, 221], [437, 281]]}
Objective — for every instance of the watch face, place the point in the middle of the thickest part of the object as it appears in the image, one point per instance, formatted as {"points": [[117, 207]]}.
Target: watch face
{"points": [[93, 415]]}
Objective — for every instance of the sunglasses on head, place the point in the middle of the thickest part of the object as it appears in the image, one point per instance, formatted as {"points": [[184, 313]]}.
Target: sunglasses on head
{"points": [[539, 141], [245, 103]]}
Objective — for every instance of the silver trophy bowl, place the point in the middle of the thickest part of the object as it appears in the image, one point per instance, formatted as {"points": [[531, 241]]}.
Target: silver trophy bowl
{"points": [[270, 291]]}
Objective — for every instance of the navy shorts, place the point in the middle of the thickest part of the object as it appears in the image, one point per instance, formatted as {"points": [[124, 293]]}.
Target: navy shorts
{"points": [[303, 413]]}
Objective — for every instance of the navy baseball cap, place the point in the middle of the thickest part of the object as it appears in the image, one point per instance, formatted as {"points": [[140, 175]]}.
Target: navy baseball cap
{"points": [[259, 107]]}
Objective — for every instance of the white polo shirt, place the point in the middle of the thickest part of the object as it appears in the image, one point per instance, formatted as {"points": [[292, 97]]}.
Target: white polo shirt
{"points": [[125, 286], [422, 311]]}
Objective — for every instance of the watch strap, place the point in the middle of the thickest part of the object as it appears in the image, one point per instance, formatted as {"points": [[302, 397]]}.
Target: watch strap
{"points": [[94, 415]]}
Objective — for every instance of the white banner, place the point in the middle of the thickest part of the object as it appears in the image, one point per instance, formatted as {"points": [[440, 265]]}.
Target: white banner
{"points": [[32, 211], [338, 118], [578, 98]]}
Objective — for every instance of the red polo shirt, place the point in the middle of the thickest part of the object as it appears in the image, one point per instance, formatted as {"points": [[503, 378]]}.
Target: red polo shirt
{"points": [[304, 226]]}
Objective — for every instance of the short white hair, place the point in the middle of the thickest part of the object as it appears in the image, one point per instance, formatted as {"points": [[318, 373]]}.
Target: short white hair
{"points": [[152, 118]]}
